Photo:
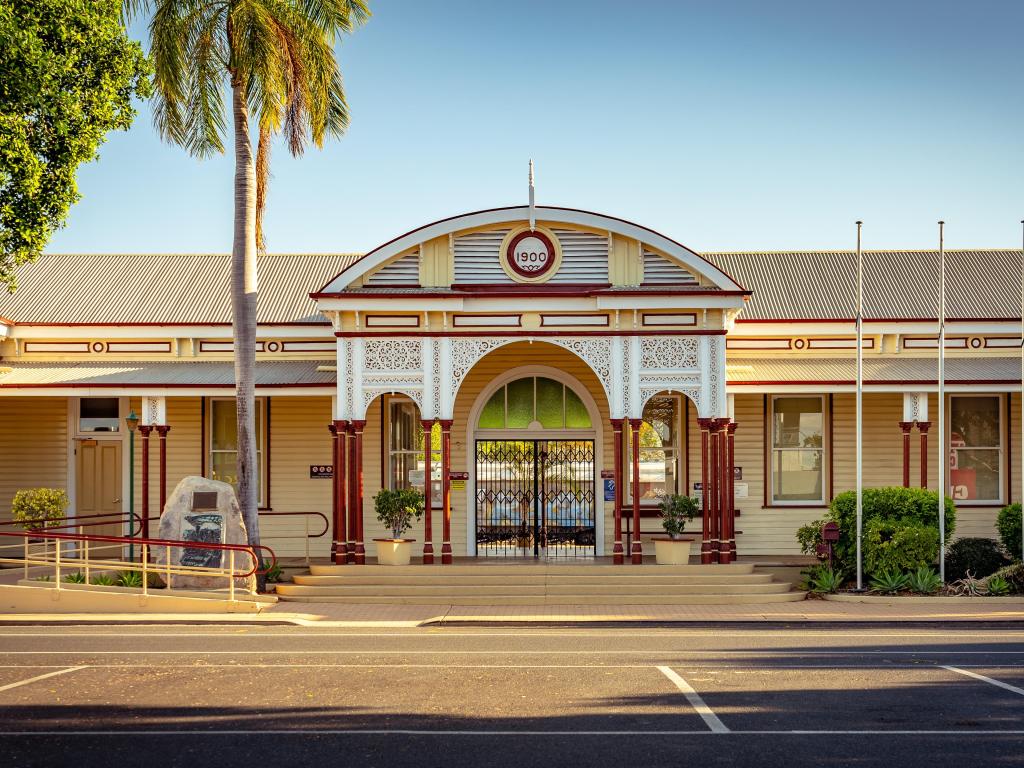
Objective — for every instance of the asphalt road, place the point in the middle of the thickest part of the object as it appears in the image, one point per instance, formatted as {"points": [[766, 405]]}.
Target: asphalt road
{"points": [[456, 696]]}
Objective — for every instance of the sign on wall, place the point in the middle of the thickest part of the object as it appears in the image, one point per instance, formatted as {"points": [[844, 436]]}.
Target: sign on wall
{"points": [[530, 255], [321, 471]]}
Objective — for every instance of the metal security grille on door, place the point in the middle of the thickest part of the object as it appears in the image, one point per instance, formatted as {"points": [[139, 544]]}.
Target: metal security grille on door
{"points": [[535, 497]]}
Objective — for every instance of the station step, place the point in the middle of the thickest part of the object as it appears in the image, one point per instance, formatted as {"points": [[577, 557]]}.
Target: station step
{"points": [[538, 584]]}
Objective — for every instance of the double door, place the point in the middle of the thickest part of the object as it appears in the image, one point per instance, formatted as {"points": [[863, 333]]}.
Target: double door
{"points": [[535, 498]]}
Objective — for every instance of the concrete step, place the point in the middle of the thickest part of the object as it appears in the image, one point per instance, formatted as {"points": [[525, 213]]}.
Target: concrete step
{"points": [[499, 593], [566, 600], [355, 578], [530, 568]]}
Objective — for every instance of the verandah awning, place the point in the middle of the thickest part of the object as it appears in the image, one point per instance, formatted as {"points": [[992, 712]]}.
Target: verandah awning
{"points": [[896, 372], [190, 374]]}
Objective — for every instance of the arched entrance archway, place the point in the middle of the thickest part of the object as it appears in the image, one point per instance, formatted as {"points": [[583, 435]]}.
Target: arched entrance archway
{"points": [[534, 439]]}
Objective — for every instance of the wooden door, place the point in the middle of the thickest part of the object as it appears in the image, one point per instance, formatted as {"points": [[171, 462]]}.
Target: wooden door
{"points": [[99, 489]]}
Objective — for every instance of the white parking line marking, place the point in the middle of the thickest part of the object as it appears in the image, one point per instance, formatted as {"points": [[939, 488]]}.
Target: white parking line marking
{"points": [[702, 709], [9, 686], [976, 676]]}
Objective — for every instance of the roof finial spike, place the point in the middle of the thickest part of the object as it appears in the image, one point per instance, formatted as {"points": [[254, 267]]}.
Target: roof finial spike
{"points": [[533, 216]]}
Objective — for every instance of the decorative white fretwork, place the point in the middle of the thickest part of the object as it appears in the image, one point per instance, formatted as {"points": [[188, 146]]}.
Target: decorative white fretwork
{"points": [[389, 355], [716, 377], [596, 352], [669, 352]]}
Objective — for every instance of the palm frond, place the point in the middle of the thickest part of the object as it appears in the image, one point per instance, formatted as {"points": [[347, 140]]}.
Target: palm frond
{"points": [[262, 177]]}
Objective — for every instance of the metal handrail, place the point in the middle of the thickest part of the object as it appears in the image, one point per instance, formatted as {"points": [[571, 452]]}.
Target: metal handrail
{"points": [[87, 563], [73, 521], [308, 535]]}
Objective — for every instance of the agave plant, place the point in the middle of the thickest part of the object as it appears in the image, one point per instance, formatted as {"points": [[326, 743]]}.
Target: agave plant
{"points": [[825, 579], [997, 587], [129, 579], [968, 586], [103, 580], [889, 581], [75, 578], [924, 581]]}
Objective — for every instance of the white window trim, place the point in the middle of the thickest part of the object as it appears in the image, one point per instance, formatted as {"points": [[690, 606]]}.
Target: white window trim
{"points": [[679, 447], [261, 449], [826, 453], [1003, 434]]}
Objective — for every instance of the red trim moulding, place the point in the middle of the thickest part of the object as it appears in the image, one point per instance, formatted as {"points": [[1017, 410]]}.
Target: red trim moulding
{"points": [[525, 334], [873, 382], [503, 291], [137, 385], [415, 324], [851, 320], [196, 323]]}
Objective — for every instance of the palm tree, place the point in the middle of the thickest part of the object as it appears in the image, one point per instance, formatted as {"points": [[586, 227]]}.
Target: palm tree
{"points": [[277, 57]]}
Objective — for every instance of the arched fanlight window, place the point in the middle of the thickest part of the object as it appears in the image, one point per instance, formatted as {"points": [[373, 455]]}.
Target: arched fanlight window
{"points": [[534, 402]]}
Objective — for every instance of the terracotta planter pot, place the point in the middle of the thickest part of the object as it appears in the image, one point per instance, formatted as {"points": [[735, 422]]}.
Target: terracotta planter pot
{"points": [[672, 551], [394, 551]]}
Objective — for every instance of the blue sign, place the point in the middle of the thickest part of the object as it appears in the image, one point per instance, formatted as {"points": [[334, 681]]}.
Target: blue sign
{"points": [[609, 489]]}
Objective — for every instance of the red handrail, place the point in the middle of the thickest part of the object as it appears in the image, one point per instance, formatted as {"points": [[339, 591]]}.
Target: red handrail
{"points": [[118, 517], [247, 548]]}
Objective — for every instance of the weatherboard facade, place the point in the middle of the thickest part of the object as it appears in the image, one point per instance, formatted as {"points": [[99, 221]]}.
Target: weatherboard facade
{"points": [[553, 378]]}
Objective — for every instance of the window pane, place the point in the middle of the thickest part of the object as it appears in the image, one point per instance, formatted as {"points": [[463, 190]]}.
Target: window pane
{"points": [[224, 467], [520, 403], [657, 473], [576, 416], [798, 422], [406, 430], [796, 475], [660, 416], [223, 426], [974, 474], [493, 414], [549, 403], [98, 414], [975, 422]]}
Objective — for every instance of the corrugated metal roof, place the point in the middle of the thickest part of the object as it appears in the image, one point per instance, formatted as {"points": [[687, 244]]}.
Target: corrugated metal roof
{"points": [[795, 285], [62, 288], [189, 373], [876, 370], [821, 285]]}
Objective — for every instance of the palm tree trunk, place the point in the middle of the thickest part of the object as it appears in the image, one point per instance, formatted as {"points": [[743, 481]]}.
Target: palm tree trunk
{"points": [[243, 304]]}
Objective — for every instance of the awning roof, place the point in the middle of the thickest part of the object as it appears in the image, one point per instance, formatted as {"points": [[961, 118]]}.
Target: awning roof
{"points": [[898, 371], [187, 374]]}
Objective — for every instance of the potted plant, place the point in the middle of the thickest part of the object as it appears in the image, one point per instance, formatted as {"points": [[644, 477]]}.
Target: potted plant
{"points": [[397, 509], [676, 512], [39, 508]]}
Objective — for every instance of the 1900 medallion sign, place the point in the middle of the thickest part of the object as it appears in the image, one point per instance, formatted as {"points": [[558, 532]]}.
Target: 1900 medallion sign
{"points": [[530, 255]]}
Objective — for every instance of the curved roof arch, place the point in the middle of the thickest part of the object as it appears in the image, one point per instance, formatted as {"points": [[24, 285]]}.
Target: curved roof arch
{"points": [[491, 216]]}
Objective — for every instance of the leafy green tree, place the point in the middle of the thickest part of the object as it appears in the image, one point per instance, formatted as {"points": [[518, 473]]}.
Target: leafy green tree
{"points": [[276, 60], [68, 73]]}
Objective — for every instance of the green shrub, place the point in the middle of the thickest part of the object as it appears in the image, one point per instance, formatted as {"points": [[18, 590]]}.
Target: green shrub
{"points": [[898, 545], [103, 580], [1008, 524], [274, 574], [906, 505], [676, 512], [924, 581], [1014, 576], [76, 577], [129, 579], [981, 557], [809, 537], [889, 581], [39, 508], [997, 586], [397, 509], [824, 579]]}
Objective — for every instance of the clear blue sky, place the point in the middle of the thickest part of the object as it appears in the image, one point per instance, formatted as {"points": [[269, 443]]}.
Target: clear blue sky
{"points": [[725, 125]]}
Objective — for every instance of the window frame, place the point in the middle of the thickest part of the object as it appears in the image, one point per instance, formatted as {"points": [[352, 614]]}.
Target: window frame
{"points": [[262, 448], [387, 479], [679, 448], [826, 451], [1000, 398]]}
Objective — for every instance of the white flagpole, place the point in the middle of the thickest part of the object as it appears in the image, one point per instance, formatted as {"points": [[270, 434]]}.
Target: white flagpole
{"points": [[1022, 395], [943, 455], [533, 216], [860, 408]]}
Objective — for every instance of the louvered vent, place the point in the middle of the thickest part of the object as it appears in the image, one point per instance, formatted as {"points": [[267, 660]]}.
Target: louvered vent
{"points": [[660, 271], [584, 258], [401, 271]]}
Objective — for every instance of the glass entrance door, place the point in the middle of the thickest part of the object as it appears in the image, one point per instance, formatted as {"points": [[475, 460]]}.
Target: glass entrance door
{"points": [[535, 498]]}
